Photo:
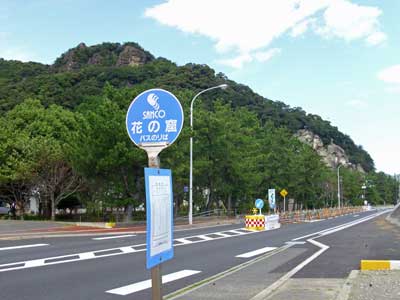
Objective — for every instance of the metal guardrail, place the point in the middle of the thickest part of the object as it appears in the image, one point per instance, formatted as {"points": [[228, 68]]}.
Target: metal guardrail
{"points": [[210, 213]]}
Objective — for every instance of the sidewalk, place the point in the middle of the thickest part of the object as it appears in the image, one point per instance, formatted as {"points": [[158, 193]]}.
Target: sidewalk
{"points": [[370, 285]]}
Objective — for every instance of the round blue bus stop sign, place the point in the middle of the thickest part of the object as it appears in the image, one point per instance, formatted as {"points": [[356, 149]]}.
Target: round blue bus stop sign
{"points": [[154, 119]]}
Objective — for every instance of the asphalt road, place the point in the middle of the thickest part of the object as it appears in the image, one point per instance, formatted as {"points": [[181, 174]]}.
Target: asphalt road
{"points": [[88, 268]]}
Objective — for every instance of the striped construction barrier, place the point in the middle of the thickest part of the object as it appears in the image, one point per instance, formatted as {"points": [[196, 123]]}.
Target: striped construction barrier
{"points": [[376, 265], [255, 222]]}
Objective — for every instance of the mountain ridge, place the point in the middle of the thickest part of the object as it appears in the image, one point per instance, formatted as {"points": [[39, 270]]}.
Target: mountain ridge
{"points": [[83, 71]]}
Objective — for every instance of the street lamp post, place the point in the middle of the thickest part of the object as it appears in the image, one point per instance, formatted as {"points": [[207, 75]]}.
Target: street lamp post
{"points": [[221, 86], [338, 185]]}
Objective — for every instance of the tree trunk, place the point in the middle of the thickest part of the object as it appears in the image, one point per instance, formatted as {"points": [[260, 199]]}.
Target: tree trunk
{"points": [[53, 207], [128, 213], [229, 204]]}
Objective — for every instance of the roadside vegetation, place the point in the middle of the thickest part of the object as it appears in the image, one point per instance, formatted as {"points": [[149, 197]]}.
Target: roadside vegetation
{"points": [[64, 142]]}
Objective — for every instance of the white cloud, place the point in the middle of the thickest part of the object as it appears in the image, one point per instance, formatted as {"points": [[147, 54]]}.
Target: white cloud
{"points": [[302, 27], [357, 103], [236, 62], [243, 27], [260, 56], [263, 56], [349, 21], [390, 75], [376, 38]]}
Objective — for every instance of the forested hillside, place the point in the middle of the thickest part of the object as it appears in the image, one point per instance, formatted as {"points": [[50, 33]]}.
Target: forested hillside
{"points": [[70, 115], [83, 72]]}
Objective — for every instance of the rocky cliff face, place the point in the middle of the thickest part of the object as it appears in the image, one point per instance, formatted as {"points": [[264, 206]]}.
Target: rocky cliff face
{"points": [[332, 154], [106, 54]]}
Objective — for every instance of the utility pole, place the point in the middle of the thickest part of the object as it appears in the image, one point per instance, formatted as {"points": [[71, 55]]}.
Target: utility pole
{"points": [[397, 178], [338, 185]]}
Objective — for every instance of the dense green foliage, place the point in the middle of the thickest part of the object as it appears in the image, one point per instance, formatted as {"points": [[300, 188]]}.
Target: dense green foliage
{"points": [[71, 142], [52, 85]]}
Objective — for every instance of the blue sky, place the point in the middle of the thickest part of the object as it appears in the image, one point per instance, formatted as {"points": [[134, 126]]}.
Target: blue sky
{"points": [[336, 58]]}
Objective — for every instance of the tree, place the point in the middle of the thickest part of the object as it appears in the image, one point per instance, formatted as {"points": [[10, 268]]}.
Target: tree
{"points": [[104, 153], [40, 156]]}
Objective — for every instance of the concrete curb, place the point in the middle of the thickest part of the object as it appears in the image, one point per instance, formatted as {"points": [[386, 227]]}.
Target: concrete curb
{"points": [[346, 289], [378, 265], [392, 220], [107, 225]]}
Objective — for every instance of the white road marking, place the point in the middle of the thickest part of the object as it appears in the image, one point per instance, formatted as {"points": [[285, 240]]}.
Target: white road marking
{"points": [[184, 241], [113, 237], [355, 216], [34, 263], [204, 237], [127, 250], [143, 285], [87, 255], [222, 234], [237, 232], [295, 243], [74, 257], [66, 258], [263, 294], [23, 246], [256, 252]]}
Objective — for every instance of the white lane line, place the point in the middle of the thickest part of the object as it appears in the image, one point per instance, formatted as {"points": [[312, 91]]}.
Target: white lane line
{"points": [[127, 250], [355, 216], [143, 285], [113, 237], [263, 294], [86, 255], [222, 234], [237, 232], [295, 243], [183, 241], [23, 246], [204, 237], [256, 252], [74, 257], [34, 263]]}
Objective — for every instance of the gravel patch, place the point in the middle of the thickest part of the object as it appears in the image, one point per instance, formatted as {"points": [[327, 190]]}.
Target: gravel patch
{"points": [[376, 285]]}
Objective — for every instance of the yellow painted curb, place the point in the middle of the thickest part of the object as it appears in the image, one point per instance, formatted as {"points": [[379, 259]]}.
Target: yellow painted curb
{"points": [[110, 225], [367, 265]]}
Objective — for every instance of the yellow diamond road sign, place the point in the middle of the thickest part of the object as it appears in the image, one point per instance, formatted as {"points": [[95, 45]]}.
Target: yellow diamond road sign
{"points": [[284, 193]]}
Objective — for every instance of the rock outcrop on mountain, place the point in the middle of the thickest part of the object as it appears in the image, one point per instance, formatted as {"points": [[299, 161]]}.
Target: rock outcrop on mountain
{"points": [[332, 154], [106, 54]]}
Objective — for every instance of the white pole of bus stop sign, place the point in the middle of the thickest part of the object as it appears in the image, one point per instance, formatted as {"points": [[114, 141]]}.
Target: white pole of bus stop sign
{"points": [[156, 283]]}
